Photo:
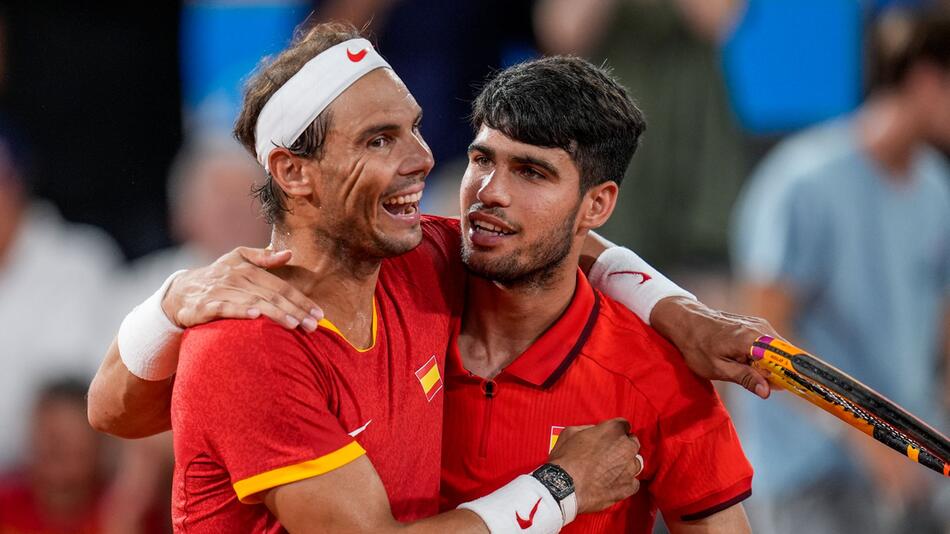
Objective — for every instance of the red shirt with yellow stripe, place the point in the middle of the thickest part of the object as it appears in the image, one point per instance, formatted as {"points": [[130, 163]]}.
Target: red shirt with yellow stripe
{"points": [[596, 362], [257, 406]]}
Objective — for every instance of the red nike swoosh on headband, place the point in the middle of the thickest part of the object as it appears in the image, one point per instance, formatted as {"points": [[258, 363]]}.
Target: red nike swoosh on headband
{"points": [[356, 57], [643, 276], [525, 524]]}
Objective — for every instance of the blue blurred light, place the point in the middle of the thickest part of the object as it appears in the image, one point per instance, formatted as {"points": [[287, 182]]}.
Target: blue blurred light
{"points": [[791, 63], [221, 44]]}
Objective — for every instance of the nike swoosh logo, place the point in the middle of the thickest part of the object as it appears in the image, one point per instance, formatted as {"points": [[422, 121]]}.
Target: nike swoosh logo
{"points": [[525, 524], [356, 432], [356, 57], [643, 276]]}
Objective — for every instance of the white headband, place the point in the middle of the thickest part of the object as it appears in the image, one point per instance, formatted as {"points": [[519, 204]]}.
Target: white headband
{"points": [[308, 92]]}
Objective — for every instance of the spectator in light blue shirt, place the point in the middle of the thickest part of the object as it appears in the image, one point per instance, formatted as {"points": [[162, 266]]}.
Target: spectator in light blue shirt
{"points": [[842, 239]]}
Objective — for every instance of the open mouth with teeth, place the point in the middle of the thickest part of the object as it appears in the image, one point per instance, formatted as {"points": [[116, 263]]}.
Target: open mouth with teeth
{"points": [[403, 205], [483, 227]]}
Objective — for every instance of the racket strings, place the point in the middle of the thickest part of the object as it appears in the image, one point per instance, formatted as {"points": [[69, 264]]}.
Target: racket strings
{"points": [[849, 407], [882, 431], [880, 408]]}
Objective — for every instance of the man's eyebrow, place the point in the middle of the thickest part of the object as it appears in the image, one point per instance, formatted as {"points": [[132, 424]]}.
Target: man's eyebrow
{"points": [[375, 129], [529, 160], [478, 147]]}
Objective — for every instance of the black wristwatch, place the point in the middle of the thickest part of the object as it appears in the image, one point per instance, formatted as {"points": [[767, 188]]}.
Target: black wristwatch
{"points": [[556, 480]]}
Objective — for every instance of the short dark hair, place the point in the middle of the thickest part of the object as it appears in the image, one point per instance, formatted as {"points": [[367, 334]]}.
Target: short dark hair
{"points": [[901, 39], [565, 102], [271, 74]]}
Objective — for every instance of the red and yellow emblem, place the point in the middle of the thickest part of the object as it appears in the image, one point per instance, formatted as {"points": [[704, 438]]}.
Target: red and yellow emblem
{"points": [[430, 378], [555, 432]]}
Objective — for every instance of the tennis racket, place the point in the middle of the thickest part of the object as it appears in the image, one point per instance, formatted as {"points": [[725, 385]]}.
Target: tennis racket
{"points": [[839, 394]]}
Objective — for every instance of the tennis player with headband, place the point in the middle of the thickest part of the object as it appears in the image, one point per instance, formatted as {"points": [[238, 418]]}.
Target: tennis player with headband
{"points": [[389, 216]]}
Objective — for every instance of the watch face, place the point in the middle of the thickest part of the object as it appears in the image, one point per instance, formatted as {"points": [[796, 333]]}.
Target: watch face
{"points": [[556, 480]]}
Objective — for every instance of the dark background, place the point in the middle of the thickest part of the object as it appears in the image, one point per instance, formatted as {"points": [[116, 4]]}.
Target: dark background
{"points": [[94, 91]]}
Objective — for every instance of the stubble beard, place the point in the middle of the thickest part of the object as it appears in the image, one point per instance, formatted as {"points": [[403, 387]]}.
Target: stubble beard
{"points": [[542, 259]]}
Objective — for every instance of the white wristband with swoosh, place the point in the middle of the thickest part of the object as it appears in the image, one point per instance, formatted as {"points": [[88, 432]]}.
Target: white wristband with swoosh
{"points": [[523, 505], [626, 278]]}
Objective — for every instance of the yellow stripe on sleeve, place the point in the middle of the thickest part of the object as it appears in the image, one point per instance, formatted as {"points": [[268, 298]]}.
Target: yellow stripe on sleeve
{"points": [[249, 487]]}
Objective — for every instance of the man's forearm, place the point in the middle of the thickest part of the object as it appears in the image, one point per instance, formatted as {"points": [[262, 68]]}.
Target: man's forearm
{"points": [[458, 521], [125, 405], [715, 344], [352, 498]]}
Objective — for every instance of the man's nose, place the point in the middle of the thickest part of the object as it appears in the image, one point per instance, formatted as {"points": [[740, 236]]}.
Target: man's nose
{"points": [[493, 190]]}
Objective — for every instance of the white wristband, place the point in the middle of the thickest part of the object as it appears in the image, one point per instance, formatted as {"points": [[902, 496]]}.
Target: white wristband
{"points": [[148, 340], [626, 278], [522, 505]]}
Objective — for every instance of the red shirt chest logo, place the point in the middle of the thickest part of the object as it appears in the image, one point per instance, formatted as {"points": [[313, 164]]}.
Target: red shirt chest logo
{"points": [[430, 378]]}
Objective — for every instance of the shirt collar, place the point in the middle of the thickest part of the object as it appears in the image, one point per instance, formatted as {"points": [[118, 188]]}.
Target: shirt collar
{"points": [[543, 363]]}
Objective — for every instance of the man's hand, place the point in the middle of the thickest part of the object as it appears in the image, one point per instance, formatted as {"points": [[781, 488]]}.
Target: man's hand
{"points": [[237, 286], [602, 460], [715, 344]]}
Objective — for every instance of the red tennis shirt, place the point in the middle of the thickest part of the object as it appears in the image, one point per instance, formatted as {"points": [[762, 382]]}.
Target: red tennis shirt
{"points": [[257, 406], [598, 361]]}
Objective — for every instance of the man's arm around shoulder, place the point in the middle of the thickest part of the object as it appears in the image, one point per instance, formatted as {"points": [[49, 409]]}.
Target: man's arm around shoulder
{"points": [[131, 405]]}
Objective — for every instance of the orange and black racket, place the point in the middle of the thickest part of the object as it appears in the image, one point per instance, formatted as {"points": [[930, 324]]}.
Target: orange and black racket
{"points": [[851, 401]]}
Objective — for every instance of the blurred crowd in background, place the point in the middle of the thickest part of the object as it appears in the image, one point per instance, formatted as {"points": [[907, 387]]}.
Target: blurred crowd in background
{"points": [[794, 166]]}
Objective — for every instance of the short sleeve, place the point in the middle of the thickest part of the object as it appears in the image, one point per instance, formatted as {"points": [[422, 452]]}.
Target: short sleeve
{"points": [[253, 397], [702, 468]]}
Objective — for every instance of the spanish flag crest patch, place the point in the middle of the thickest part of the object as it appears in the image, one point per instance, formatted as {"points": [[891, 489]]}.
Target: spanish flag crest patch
{"points": [[430, 378], [555, 432]]}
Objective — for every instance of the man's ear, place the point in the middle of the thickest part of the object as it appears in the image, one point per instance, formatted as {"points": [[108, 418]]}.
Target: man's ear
{"points": [[597, 205], [288, 172]]}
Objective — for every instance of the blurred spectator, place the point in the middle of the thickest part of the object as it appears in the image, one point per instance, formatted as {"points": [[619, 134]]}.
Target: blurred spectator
{"points": [[842, 241], [212, 211], [674, 206], [60, 487], [53, 280], [96, 90]]}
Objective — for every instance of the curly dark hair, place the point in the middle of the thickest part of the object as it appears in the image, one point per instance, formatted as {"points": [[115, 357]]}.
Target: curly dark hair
{"points": [[270, 75]]}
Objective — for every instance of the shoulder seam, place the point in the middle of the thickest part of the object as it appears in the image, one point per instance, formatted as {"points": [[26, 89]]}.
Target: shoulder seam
{"points": [[583, 354]]}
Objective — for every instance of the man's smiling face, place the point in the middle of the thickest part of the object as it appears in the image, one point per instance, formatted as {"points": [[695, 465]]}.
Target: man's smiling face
{"points": [[519, 208], [369, 183]]}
